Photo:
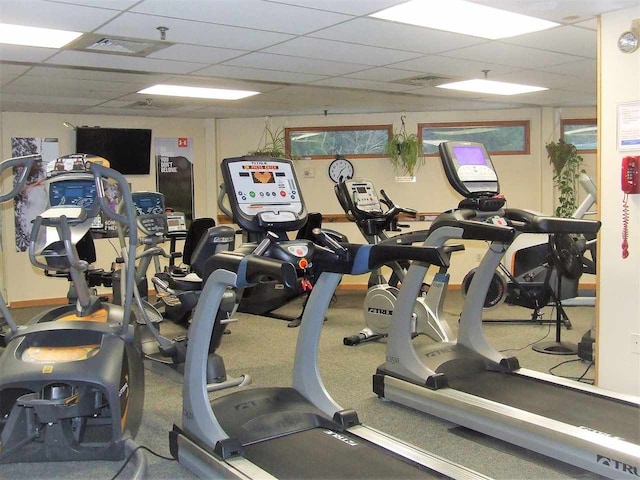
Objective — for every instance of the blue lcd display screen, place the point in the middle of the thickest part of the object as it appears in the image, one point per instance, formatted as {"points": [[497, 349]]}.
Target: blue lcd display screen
{"points": [[470, 155]]}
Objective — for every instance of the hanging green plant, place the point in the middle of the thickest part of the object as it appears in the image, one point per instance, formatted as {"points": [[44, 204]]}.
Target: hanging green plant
{"points": [[404, 151], [272, 143], [566, 170]]}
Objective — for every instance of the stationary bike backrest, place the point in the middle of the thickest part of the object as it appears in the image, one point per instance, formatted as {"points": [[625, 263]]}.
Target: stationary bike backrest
{"points": [[214, 240], [196, 231]]}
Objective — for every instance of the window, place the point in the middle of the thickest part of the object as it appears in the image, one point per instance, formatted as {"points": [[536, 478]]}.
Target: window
{"points": [[327, 142], [582, 132], [500, 138]]}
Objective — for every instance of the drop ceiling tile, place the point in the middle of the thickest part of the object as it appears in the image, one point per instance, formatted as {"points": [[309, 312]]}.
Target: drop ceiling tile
{"points": [[196, 53], [299, 64], [19, 53], [351, 7], [109, 5], [511, 55], [39, 13], [17, 97], [65, 86], [340, 51], [121, 62], [84, 74], [537, 78], [567, 39], [452, 67], [197, 33], [384, 74], [591, 24], [258, 74], [560, 11], [344, 82], [9, 71], [399, 36], [274, 17], [582, 68]]}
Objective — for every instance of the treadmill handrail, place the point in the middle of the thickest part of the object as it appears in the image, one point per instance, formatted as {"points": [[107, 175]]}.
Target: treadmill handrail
{"points": [[526, 221]]}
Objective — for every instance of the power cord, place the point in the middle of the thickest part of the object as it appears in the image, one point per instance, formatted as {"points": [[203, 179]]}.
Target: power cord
{"points": [[577, 379], [141, 447], [528, 344]]}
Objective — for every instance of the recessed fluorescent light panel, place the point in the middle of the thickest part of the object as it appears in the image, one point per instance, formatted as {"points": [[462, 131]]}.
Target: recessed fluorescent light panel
{"points": [[35, 37], [464, 17], [198, 92], [492, 87]]}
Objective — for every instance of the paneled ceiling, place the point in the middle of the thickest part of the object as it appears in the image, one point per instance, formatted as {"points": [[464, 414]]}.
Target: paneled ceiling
{"points": [[304, 56]]}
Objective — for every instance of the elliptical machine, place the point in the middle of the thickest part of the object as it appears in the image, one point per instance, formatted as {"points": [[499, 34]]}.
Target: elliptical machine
{"points": [[361, 204], [163, 354], [71, 380]]}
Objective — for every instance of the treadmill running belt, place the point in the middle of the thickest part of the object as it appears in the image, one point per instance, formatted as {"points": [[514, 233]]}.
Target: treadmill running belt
{"points": [[554, 401], [316, 454]]}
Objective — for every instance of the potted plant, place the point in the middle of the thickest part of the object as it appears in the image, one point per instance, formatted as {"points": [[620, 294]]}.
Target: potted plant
{"points": [[404, 151], [566, 170], [272, 143]]}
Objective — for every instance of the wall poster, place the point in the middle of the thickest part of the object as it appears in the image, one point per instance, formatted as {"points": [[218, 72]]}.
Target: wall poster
{"points": [[174, 174], [32, 201]]}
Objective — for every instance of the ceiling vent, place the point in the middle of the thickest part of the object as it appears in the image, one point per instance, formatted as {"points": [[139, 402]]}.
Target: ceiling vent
{"points": [[133, 47], [425, 80], [144, 105]]}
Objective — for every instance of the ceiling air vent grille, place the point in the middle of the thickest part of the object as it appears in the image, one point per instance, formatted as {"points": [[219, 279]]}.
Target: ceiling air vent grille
{"points": [[117, 45], [425, 80]]}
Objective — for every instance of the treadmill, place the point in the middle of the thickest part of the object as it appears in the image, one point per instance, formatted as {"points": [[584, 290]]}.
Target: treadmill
{"points": [[470, 383], [296, 432]]}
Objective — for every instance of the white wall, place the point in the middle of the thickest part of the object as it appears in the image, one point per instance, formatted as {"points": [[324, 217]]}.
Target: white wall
{"points": [[525, 180], [618, 309], [21, 279]]}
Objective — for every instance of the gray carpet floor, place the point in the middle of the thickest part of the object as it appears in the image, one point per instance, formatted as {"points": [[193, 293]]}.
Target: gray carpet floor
{"points": [[264, 347]]}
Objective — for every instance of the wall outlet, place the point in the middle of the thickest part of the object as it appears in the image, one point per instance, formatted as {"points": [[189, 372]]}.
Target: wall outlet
{"points": [[635, 343], [309, 172]]}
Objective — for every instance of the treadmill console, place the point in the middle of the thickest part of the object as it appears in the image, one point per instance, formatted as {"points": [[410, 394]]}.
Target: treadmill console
{"points": [[151, 218], [264, 193], [469, 169], [362, 195]]}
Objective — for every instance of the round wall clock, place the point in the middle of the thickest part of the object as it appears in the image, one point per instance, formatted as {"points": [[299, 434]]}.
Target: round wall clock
{"points": [[340, 169]]}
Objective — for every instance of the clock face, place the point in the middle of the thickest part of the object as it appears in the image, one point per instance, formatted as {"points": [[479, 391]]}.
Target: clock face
{"points": [[628, 42], [340, 170]]}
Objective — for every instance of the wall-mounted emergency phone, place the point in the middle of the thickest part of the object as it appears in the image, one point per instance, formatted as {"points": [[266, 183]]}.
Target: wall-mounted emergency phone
{"points": [[630, 184], [631, 175]]}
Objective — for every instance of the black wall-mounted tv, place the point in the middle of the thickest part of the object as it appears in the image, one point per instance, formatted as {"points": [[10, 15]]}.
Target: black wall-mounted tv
{"points": [[127, 149]]}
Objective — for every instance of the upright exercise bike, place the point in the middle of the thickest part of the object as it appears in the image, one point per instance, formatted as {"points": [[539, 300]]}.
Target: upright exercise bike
{"points": [[71, 379], [362, 205]]}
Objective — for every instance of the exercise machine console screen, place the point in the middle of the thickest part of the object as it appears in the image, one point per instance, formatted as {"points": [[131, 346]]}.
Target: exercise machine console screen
{"points": [[151, 218], [78, 192], [363, 195], [469, 168], [264, 193]]}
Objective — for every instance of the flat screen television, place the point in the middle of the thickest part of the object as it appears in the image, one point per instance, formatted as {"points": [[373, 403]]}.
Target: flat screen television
{"points": [[127, 149]]}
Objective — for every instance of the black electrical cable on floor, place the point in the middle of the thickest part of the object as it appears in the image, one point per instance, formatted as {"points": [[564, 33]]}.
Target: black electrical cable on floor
{"points": [[128, 459], [529, 344], [578, 379]]}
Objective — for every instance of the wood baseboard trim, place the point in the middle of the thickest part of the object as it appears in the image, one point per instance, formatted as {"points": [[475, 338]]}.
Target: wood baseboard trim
{"points": [[361, 287]]}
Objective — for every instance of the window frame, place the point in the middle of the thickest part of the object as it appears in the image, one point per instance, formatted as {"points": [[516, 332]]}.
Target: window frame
{"points": [[289, 130], [489, 123], [580, 121]]}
